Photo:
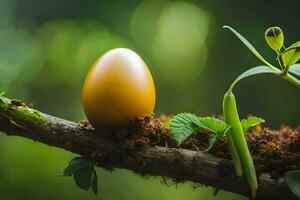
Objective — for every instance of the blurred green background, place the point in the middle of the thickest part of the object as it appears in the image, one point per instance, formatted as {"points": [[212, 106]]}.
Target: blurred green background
{"points": [[47, 47]]}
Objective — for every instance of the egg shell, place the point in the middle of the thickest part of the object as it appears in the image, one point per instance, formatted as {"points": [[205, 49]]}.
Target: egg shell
{"points": [[118, 88]]}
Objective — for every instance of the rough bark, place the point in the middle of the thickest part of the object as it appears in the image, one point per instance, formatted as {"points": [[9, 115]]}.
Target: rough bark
{"points": [[178, 164]]}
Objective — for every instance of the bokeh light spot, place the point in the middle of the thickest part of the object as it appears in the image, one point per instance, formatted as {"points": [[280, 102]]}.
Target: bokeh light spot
{"points": [[179, 46]]}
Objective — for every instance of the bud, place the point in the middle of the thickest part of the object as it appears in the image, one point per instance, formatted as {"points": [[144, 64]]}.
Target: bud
{"points": [[274, 37]]}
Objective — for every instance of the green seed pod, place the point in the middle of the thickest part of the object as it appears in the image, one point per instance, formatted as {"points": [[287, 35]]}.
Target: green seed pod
{"points": [[238, 139], [274, 37]]}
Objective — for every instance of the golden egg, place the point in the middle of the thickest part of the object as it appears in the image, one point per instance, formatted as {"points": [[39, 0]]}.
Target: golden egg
{"points": [[119, 87]]}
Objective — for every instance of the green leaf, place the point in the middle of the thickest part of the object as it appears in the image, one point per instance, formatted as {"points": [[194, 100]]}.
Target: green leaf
{"points": [[215, 125], [295, 69], [248, 45], [251, 121], [213, 138], [75, 164], [292, 179], [292, 54], [294, 46], [83, 177], [183, 125], [287, 56], [2, 93], [83, 172], [254, 71], [218, 127]]}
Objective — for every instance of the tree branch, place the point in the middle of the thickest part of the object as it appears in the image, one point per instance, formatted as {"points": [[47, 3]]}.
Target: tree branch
{"points": [[178, 164]]}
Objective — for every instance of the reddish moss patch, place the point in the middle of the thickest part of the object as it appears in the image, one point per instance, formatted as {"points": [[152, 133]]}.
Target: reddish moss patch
{"points": [[17, 102], [86, 124], [273, 151]]}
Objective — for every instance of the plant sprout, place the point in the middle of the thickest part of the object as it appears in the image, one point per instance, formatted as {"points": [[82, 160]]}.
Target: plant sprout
{"points": [[237, 143], [289, 56], [185, 124]]}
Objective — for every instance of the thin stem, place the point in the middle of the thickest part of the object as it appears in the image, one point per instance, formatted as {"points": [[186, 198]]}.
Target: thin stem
{"points": [[195, 147], [281, 73], [279, 59]]}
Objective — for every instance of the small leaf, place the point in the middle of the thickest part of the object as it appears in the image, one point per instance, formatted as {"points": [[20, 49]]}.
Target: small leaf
{"points": [[254, 71], [287, 56], [215, 125], [249, 45], [213, 138], [83, 172], [183, 125], [218, 127], [251, 121], [294, 46], [292, 179], [295, 69], [75, 164], [83, 177], [292, 54], [95, 182], [2, 93]]}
